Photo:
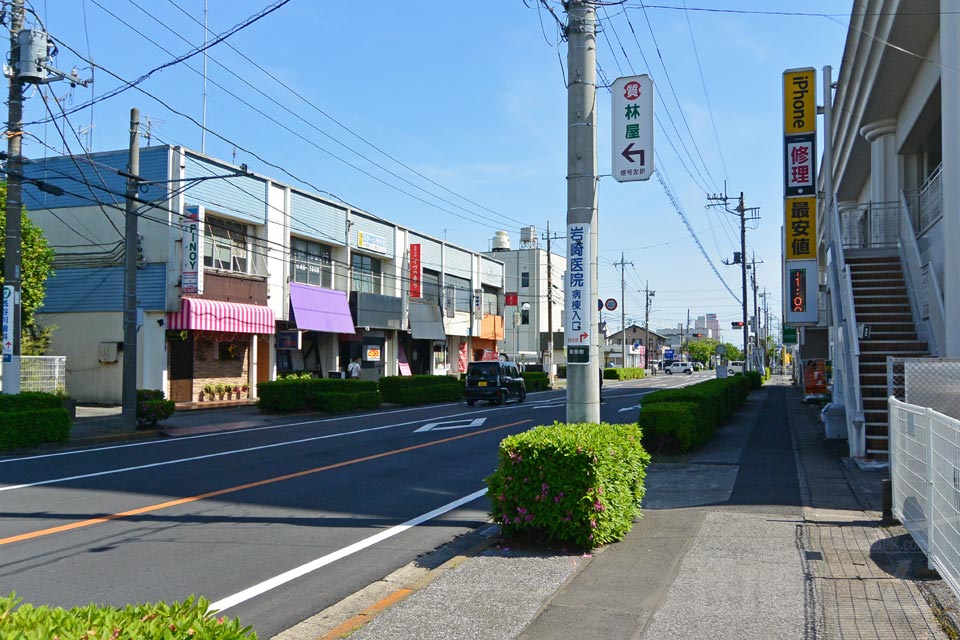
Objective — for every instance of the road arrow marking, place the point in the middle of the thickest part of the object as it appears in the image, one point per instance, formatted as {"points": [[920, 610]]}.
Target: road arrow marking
{"points": [[635, 407], [452, 424]]}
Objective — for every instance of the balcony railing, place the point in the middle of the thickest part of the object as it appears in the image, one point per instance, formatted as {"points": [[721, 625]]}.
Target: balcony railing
{"points": [[870, 225], [926, 203]]}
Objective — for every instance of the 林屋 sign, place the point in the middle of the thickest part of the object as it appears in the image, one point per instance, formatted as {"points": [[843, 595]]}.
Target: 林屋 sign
{"points": [[632, 128]]}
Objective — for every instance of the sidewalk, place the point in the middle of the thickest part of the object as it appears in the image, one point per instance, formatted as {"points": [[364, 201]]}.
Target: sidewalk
{"points": [[768, 532]]}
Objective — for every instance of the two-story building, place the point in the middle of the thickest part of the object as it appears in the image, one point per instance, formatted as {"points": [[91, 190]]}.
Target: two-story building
{"points": [[243, 277]]}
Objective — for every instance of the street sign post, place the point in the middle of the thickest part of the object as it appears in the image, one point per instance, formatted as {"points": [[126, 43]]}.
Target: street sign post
{"points": [[632, 128]]}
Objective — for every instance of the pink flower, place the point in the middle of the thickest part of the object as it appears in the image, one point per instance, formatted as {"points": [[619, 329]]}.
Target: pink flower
{"points": [[593, 525], [598, 506]]}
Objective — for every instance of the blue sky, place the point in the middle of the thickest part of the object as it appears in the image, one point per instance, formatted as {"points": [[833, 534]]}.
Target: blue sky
{"points": [[450, 116]]}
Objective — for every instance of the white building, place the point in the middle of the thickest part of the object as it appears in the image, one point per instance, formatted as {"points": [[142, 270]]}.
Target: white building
{"points": [[889, 225], [533, 285]]}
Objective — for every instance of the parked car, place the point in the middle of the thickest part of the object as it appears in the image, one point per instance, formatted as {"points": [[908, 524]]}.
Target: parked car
{"points": [[680, 367], [735, 367], [494, 381]]}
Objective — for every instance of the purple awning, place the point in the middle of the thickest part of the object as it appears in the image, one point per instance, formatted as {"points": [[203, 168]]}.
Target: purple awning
{"points": [[318, 309]]}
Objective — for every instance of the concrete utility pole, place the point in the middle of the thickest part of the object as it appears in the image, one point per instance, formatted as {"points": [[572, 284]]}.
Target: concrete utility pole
{"points": [[129, 398], [741, 212], [647, 294], [623, 313], [12, 262], [583, 380]]}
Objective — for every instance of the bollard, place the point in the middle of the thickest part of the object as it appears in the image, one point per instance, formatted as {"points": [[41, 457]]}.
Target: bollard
{"points": [[886, 491]]}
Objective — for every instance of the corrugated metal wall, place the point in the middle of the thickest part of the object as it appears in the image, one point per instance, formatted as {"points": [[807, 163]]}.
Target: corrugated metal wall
{"points": [[87, 180], [384, 232], [429, 251], [317, 220], [491, 273], [243, 197], [101, 289]]}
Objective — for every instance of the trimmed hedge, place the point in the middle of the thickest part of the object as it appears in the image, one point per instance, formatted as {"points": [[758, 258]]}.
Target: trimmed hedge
{"points": [[561, 371], [29, 401], [420, 389], [34, 426], [624, 373], [675, 426], [713, 401], [188, 619], [578, 484], [756, 379], [536, 380], [334, 395]]}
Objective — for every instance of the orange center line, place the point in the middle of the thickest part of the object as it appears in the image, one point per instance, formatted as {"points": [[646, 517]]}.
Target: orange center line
{"points": [[250, 485]]}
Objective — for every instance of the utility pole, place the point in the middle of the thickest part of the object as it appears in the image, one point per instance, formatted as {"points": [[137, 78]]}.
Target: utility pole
{"points": [[623, 313], [129, 398], [550, 345], [12, 261], [741, 212], [583, 381], [646, 323]]}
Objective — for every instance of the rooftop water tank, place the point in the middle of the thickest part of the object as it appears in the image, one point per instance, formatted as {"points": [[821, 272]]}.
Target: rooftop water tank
{"points": [[501, 241]]}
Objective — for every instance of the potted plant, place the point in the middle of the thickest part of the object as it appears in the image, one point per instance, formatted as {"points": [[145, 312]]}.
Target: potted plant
{"points": [[236, 391], [208, 390], [246, 389], [220, 390]]}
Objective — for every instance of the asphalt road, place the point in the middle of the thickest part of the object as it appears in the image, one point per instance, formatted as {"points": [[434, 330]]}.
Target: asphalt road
{"points": [[271, 524]]}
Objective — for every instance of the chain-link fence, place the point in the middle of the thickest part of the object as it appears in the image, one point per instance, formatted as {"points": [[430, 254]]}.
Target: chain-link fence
{"points": [[926, 382], [925, 478], [43, 373]]}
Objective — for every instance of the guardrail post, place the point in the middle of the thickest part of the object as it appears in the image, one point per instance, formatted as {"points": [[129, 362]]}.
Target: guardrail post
{"points": [[928, 456]]}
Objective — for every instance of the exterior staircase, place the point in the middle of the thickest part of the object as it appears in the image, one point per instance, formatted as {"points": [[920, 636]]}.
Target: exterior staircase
{"points": [[882, 306]]}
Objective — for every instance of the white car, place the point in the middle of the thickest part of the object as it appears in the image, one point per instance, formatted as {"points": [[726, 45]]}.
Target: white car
{"points": [[735, 367], [680, 367]]}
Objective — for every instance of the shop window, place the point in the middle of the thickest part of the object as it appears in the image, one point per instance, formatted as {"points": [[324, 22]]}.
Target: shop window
{"points": [[228, 350], [366, 273], [225, 245], [525, 279], [312, 263]]}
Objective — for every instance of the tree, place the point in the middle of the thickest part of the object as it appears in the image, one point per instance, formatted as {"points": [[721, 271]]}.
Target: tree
{"points": [[36, 265], [701, 350]]}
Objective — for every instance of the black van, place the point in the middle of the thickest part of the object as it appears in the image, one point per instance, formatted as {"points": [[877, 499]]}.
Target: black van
{"points": [[494, 381]]}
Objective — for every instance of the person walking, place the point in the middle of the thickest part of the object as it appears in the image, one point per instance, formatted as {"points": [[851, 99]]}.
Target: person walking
{"points": [[353, 369]]}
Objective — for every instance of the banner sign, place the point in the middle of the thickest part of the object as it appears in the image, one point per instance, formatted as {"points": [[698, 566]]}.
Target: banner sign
{"points": [[632, 120], [8, 307], [800, 224], [579, 297], [800, 271], [415, 272], [191, 278], [371, 242]]}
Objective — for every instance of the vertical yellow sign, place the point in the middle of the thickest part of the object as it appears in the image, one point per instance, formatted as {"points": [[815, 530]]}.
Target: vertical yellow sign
{"points": [[800, 225], [799, 101]]}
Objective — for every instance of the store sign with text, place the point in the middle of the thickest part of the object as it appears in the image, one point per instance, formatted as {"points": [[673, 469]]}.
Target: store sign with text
{"points": [[415, 272], [578, 301], [191, 278]]}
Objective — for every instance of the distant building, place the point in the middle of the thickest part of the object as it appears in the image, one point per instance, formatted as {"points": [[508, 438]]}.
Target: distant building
{"points": [[643, 347]]}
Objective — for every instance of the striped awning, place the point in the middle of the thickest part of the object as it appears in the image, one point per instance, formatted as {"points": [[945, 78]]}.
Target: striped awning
{"points": [[214, 315]]}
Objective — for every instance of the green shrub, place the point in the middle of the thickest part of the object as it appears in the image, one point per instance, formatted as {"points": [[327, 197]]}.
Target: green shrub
{"points": [[149, 394], [33, 427], [536, 380], [420, 389], [718, 398], [767, 373], [756, 380], [674, 426], [624, 373], [295, 375], [309, 394], [188, 619], [30, 400], [562, 371], [578, 484]]}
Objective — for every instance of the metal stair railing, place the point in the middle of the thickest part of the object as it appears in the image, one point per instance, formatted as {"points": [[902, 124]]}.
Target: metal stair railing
{"points": [[926, 300]]}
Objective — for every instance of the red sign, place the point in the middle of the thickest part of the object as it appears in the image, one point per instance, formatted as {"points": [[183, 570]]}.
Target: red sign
{"points": [[415, 272], [631, 90], [511, 299], [462, 357]]}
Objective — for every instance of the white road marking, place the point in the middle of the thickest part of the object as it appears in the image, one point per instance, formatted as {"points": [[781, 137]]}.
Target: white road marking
{"points": [[635, 407], [207, 456], [293, 574], [452, 424]]}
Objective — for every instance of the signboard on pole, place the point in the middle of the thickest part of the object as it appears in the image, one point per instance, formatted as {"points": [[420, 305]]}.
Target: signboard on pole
{"points": [[415, 271], [579, 295], [7, 334], [191, 278], [800, 269], [632, 127]]}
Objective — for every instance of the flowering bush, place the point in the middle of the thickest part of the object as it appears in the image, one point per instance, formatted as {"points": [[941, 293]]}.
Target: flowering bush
{"points": [[578, 484], [152, 408]]}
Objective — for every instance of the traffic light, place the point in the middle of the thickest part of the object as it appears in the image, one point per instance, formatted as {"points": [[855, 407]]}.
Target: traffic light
{"points": [[697, 335], [736, 324]]}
